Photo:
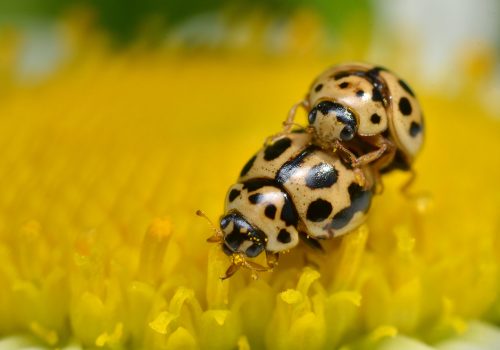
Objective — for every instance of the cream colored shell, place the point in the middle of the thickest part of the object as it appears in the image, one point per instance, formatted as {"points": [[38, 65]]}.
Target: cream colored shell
{"points": [[337, 195], [350, 96], [406, 129], [254, 214], [408, 139], [268, 169]]}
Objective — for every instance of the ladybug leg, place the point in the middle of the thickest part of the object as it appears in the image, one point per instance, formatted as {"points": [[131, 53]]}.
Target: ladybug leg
{"points": [[423, 197], [269, 140], [383, 144], [379, 164], [239, 261], [379, 185], [311, 242], [231, 270], [406, 186], [379, 158], [338, 146], [289, 122], [272, 259], [405, 189], [254, 268], [351, 158], [361, 178]]}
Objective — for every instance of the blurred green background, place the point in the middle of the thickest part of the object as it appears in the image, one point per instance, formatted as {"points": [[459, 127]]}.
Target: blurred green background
{"points": [[436, 41], [125, 19]]}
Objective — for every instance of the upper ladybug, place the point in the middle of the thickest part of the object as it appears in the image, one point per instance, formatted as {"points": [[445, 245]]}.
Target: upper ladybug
{"points": [[367, 113]]}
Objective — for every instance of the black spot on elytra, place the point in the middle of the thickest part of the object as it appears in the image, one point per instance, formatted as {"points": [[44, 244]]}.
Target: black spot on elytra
{"points": [[318, 87], [284, 236], [277, 148], [256, 198], [344, 85], [340, 75], [373, 75], [375, 118], [290, 167], [360, 93], [255, 184], [289, 213], [270, 211], [380, 92], [360, 201], [406, 87], [322, 175], [248, 166], [377, 95], [318, 210], [405, 106], [415, 129], [233, 194]]}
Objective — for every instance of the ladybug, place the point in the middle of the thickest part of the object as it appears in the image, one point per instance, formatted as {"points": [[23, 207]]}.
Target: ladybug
{"points": [[290, 190], [361, 108]]}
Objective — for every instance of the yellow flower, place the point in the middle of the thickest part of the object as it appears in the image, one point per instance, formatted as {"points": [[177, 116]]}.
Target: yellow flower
{"points": [[104, 166]]}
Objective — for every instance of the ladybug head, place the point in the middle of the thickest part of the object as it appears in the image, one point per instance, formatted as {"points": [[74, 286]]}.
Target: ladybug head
{"points": [[239, 240], [333, 121], [240, 236]]}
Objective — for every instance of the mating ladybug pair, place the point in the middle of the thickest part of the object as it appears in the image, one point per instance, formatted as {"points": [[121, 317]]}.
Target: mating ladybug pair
{"points": [[317, 182]]}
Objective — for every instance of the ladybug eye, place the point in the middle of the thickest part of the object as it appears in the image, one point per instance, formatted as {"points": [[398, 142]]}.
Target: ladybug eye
{"points": [[312, 116], [254, 250], [347, 118], [347, 133]]}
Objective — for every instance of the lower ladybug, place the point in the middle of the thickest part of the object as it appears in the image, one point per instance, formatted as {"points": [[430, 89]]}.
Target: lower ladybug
{"points": [[290, 189]]}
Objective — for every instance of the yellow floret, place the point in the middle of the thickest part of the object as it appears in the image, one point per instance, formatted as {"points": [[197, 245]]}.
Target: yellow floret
{"points": [[94, 160]]}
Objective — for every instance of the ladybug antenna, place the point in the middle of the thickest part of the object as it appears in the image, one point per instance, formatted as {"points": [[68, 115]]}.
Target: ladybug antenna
{"points": [[217, 237], [289, 123]]}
